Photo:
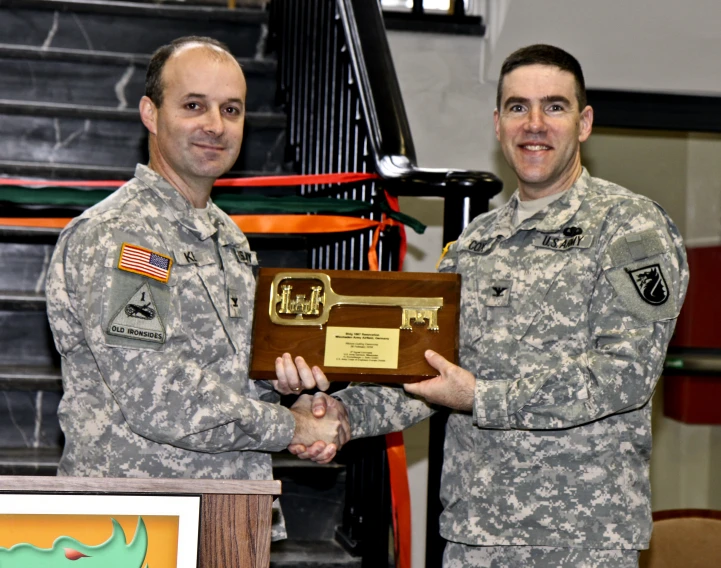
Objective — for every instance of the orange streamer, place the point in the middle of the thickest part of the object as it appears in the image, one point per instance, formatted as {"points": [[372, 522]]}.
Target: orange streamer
{"points": [[277, 224], [395, 450], [400, 498]]}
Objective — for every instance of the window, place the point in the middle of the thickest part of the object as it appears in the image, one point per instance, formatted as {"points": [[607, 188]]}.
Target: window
{"points": [[470, 7]]}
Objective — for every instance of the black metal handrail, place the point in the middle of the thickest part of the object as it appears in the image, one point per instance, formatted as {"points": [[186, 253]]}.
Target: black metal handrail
{"points": [[338, 86]]}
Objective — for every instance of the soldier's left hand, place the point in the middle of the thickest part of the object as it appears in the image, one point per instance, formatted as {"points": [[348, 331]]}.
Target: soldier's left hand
{"points": [[295, 376], [454, 388]]}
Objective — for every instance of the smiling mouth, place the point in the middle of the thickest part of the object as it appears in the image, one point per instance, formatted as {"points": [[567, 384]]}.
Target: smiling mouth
{"points": [[209, 147], [534, 147]]}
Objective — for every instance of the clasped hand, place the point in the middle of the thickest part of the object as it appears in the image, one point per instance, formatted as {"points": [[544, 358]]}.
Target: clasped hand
{"points": [[321, 427]]}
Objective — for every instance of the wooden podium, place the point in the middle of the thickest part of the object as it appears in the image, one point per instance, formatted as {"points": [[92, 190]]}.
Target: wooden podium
{"points": [[235, 515]]}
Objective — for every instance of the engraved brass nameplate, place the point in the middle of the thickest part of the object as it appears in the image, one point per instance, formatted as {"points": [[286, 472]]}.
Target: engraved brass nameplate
{"points": [[361, 347], [316, 309], [356, 325]]}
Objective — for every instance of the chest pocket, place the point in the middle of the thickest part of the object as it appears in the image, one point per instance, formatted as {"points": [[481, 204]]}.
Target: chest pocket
{"points": [[537, 304]]}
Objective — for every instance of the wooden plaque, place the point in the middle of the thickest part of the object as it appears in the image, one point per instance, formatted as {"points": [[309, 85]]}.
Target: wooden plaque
{"points": [[329, 318]]}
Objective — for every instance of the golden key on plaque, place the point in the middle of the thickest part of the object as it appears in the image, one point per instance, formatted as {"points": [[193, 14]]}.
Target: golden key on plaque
{"points": [[316, 309]]}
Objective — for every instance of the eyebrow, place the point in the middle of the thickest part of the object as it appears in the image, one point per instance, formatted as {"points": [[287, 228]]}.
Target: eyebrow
{"points": [[201, 96], [547, 99]]}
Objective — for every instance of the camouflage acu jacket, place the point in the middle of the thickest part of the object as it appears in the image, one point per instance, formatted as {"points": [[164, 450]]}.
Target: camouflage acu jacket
{"points": [[151, 308], [565, 323]]}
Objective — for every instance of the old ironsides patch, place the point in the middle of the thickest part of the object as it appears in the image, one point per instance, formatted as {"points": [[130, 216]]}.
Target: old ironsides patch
{"points": [[138, 318], [650, 284]]}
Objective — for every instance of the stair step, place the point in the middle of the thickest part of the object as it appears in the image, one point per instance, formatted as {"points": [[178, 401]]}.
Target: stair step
{"points": [[24, 268], [60, 171], [30, 378], [25, 335], [220, 3], [70, 110], [110, 137], [28, 235], [112, 26], [312, 498], [310, 554], [29, 461], [22, 301], [29, 421], [102, 78]]}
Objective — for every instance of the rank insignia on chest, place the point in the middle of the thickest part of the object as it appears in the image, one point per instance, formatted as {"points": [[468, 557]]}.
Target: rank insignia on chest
{"points": [[145, 262], [234, 307], [650, 284], [498, 293]]}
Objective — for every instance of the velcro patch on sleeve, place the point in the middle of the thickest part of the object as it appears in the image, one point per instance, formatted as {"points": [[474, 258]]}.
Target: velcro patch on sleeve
{"points": [[636, 247], [143, 261]]}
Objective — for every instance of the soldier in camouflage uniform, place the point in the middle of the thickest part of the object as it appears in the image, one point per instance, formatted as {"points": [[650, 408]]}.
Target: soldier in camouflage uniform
{"points": [[570, 294], [150, 299]]}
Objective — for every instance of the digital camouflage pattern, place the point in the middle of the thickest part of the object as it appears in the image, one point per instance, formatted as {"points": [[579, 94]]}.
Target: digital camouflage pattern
{"points": [[155, 374], [566, 343], [458, 555]]}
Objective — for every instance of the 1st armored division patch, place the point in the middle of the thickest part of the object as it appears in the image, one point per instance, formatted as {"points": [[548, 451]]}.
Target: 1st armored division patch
{"points": [[138, 318]]}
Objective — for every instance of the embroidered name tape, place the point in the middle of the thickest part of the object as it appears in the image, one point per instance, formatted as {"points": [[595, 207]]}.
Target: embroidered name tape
{"points": [[555, 242], [245, 256], [145, 262]]}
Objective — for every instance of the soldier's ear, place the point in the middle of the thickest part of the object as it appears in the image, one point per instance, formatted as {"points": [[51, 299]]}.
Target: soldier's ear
{"points": [[149, 114], [585, 124]]}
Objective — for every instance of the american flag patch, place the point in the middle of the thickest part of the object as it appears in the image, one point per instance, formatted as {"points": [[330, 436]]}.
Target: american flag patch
{"points": [[146, 262]]}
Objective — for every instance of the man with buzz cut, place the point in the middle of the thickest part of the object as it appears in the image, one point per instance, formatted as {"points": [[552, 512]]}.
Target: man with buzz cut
{"points": [[150, 300], [570, 294]]}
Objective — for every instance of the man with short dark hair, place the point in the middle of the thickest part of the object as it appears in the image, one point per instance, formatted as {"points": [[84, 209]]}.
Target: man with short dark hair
{"points": [[570, 294], [150, 299]]}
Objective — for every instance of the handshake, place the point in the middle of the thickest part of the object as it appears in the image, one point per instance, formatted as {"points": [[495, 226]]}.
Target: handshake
{"points": [[321, 427], [321, 422]]}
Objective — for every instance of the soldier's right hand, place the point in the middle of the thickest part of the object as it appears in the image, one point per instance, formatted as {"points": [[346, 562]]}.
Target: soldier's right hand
{"points": [[295, 376]]}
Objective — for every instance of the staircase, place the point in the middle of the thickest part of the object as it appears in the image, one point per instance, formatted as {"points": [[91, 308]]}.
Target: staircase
{"points": [[73, 72]]}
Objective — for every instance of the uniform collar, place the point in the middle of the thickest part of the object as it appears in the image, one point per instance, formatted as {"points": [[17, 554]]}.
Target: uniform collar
{"points": [[181, 208], [554, 217]]}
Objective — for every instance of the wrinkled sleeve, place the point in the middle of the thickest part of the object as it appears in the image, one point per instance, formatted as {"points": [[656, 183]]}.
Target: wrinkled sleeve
{"points": [[165, 395], [628, 337], [375, 409]]}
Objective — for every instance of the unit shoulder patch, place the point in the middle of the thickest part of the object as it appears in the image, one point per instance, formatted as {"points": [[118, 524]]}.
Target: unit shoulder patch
{"points": [[138, 318], [650, 284], [646, 291], [143, 261]]}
